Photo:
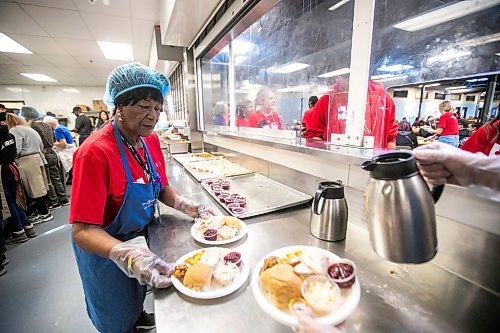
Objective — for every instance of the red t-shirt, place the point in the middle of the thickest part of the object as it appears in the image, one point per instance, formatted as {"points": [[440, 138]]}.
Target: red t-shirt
{"points": [[449, 123], [99, 178], [258, 119], [307, 117], [482, 141]]}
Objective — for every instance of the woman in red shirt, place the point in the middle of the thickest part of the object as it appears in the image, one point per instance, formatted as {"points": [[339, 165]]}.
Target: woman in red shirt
{"points": [[448, 125], [266, 116], [486, 139], [118, 180]]}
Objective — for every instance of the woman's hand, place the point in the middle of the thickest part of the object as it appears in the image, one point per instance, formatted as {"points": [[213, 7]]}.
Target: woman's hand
{"points": [[135, 260], [192, 208]]}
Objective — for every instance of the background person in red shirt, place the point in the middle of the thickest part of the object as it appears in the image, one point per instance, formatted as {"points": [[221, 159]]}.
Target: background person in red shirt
{"points": [[330, 114], [265, 116], [447, 128], [118, 178], [486, 139], [307, 115]]}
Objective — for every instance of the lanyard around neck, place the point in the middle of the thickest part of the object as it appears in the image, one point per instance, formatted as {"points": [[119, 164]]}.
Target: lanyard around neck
{"points": [[144, 166]]}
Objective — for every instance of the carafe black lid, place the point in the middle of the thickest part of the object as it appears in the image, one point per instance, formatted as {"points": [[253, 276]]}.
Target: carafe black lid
{"points": [[331, 190], [391, 166]]}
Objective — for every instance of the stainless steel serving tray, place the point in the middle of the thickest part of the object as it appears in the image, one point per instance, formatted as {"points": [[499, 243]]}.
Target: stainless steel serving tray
{"points": [[202, 175], [263, 194], [185, 159]]}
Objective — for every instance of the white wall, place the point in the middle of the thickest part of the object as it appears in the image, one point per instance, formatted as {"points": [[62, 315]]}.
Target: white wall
{"points": [[57, 99]]}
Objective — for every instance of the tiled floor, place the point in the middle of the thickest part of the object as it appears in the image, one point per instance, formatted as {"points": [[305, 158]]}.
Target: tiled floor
{"points": [[41, 291]]}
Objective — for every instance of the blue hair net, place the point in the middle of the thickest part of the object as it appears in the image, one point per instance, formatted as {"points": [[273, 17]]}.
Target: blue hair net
{"points": [[131, 76]]}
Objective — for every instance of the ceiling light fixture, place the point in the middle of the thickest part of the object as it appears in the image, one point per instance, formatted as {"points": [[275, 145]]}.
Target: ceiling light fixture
{"points": [[285, 69], [337, 72], [448, 55], [39, 77], [477, 80], [116, 51], [239, 59], [429, 85], [497, 54], [7, 44], [455, 88], [392, 78], [480, 40], [295, 89], [338, 4], [394, 68], [381, 76], [70, 90], [445, 14]]}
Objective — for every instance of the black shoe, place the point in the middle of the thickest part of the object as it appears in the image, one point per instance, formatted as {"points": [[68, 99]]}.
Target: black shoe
{"points": [[54, 206], [16, 238], [30, 232], [3, 260], [64, 202], [3, 269], [146, 321]]}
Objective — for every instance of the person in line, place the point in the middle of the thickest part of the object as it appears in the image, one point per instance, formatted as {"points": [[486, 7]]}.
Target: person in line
{"points": [[244, 111], [83, 127], [2, 108], [220, 111], [30, 162], [405, 137], [103, 118], [441, 163], [63, 144], [56, 190], [330, 114], [266, 115], [486, 139], [447, 128], [463, 132], [127, 182], [307, 115]]}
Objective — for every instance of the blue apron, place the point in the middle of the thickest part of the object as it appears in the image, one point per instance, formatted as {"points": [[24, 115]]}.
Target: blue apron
{"points": [[115, 301]]}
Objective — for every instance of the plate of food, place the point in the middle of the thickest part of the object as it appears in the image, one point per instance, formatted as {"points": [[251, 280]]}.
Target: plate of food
{"points": [[218, 230], [291, 279], [210, 273]]}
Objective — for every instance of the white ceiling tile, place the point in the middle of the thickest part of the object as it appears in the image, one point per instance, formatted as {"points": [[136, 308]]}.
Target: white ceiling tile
{"points": [[29, 59], [143, 32], [59, 22], [39, 45], [75, 71], [5, 60], [109, 28], [81, 48], [63, 4], [15, 20], [146, 10], [61, 61], [112, 64], [98, 64], [141, 54], [115, 7]]}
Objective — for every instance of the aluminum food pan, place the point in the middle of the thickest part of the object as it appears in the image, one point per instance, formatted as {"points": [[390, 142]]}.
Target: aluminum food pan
{"points": [[263, 194], [184, 159]]}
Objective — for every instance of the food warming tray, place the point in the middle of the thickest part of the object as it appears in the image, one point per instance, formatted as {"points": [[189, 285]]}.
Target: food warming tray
{"points": [[185, 159], [263, 194], [202, 175]]}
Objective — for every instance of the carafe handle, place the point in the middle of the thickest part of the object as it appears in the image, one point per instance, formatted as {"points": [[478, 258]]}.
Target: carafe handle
{"points": [[436, 192], [317, 196]]}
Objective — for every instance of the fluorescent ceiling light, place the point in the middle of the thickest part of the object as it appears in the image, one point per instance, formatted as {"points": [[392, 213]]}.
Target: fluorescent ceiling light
{"points": [[392, 78], [70, 90], [457, 87], [116, 51], [285, 69], [239, 59], [497, 54], [15, 89], [337, 72], [295, 89], [448, 55], [430, 85], [338, 4], [250, 86], [480, 40], [394, 68], [445, 14], [39, 77], [477, 80], [381, 76], [7, 44], [241, 46]]}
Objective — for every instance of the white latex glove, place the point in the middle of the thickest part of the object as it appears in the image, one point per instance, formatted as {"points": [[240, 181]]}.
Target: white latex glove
{"points": [[192, 208], [307, 324], [441, 163], [135, 260]]}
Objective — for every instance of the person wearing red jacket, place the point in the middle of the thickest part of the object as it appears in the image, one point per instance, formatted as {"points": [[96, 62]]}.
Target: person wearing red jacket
{"points": [[486, 139], [266, 116], [330, 114], [307, 115]]}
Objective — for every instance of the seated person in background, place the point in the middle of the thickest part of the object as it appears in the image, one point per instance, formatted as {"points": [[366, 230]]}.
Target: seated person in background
{"points": [[220, 111], [415, 127], [405, 123], [265, 116], [244, 110], [463, 132], [473, 127], [486, 139], [329, 114], [431, 121], [405, 137], [447, 130], [307, 115]]}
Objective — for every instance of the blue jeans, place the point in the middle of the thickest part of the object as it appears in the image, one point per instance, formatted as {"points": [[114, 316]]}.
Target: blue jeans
{"points": [[449, 139], [17, 220]]}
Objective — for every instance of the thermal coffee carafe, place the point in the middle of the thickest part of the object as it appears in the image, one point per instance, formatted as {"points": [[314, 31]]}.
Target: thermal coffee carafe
{"points": [[329, 212], [400, 209]]}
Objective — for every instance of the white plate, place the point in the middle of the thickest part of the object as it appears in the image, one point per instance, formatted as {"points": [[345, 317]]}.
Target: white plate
{"points": [[237, 283], [350, 296], [199, 237]]}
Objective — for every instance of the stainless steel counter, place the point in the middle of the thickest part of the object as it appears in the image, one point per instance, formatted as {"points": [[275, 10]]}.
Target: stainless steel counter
{"points": [[395, 298]]}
